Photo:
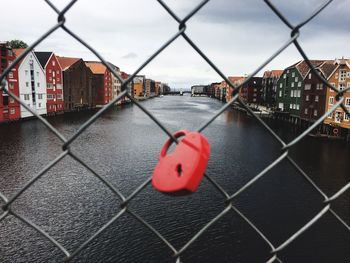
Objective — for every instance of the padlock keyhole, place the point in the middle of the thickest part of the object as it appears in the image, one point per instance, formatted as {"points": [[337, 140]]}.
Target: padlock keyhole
{"points": [[179, 170]]}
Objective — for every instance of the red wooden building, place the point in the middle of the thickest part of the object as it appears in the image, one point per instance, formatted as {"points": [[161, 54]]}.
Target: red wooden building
{"points": [[54, 80], [101, 83], [9, 108]]}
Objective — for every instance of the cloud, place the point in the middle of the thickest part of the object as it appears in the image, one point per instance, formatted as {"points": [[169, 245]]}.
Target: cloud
{"points": [[237, 36], [129, 55]]}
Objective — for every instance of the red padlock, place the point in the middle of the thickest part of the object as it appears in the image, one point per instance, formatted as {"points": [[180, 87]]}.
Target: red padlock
{"points": [[181, 171]]}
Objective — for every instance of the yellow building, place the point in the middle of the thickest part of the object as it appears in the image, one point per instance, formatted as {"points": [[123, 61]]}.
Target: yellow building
{"points": [[138, 90], [340, 79]]}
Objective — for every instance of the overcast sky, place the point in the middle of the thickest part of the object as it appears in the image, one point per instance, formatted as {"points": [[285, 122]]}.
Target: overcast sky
{"points": [[236, 35]]}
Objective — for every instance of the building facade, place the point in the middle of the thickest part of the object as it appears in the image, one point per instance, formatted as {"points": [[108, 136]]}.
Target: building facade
{"points": [[340, 79], [290, 87], [139, 87], [313, 99], [101, 83], [9, 108], [252, 90], [32, 84], [116, 84], [77, 82], [129, 86], [54, 82], [269, 83], [236, 81]]}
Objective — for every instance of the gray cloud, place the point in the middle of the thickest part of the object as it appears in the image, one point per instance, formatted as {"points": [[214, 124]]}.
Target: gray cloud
{"points": [[236, 35], [129, 55]]}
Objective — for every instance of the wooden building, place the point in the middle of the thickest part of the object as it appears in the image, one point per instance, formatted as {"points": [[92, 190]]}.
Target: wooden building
{"points": [[340, 79], [290, 87], [77, 82], [269, 83], [252, 90], [54, 82], [32, 84], [313, 99], [9, 108], [101, 83]]}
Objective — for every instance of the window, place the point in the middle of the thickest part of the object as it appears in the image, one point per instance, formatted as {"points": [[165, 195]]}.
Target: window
{"points": [[315, 112], [58, 72], [38, 84], [341, 86], [39, 105], [330, 116], [12, 100], [50, 70], [299, 84], [331, 100], [346, 117], [12, 111], [316, 98], [59, 96], [309, 75], [347, 102], [26, 96], [292, 84], [53, 73], [12, 85], [49, 96], [53, 63], [307, 97], [40, 96], [307, 86], [10, 75], [59, 86], [305, 111], [293, 74], [291, 106], [296, 79], [281, 85], [27, 84], [297, 106], [298, 93], [292, 93], [284, 76], [26, 72], [342, 75], [37, 73]]}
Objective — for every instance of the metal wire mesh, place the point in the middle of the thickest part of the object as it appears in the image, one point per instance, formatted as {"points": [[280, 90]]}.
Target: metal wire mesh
{"points": [[228, 199]]}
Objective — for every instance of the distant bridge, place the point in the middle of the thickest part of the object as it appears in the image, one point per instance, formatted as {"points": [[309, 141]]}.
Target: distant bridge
{"points": [[180, 93], [177, 92]]}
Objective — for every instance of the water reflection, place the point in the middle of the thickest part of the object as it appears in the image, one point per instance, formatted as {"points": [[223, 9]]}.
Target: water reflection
{"points": [[123, 145]]}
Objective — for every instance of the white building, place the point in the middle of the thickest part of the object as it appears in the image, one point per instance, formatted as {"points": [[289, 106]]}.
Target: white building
{"points": [[32, 84], [116, 84]]}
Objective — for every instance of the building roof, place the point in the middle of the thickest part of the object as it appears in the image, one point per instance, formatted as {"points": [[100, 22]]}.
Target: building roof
{"points": [[43, 57], [18, 51], [303, 68], [124, 75], [96, 67], [327, 68], [66, 62]]}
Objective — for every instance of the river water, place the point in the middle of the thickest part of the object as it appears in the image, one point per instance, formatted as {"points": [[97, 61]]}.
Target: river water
{"points": [[70, 204]]}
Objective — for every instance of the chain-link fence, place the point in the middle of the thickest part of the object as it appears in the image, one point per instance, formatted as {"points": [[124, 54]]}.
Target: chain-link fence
{"points": [[227, 198]]}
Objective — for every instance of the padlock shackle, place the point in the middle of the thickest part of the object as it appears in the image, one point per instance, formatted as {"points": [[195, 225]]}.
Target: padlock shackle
{"points": [[169, 142]]}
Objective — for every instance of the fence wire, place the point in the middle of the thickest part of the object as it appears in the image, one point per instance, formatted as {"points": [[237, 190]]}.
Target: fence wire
{"points": [[227, 198]]}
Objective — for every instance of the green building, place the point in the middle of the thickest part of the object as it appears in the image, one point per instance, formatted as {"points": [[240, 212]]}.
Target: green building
{"points": [[290, 87]]}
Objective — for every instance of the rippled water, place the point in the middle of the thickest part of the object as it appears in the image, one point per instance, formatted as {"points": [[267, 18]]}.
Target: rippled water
{"points": [[70, 204]]}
